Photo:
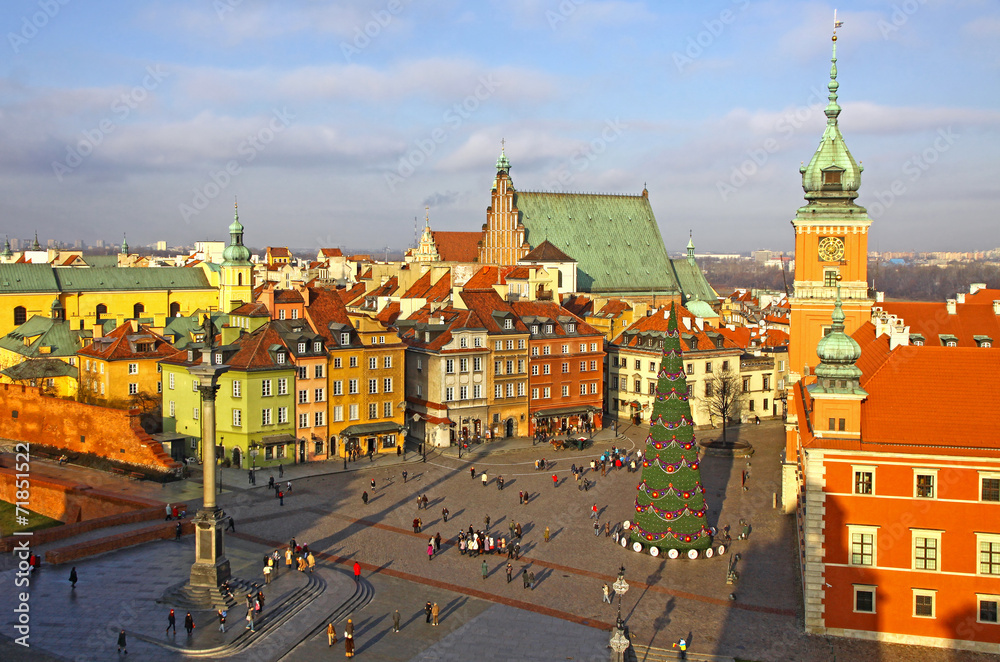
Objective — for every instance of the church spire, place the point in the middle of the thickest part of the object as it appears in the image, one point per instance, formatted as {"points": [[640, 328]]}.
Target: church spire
{"points": [[124, 245], [838, 354], [36, 246], [503, 165], [236, 254], [6, 249]]}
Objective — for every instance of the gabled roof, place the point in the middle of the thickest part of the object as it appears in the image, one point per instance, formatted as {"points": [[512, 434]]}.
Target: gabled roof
{"points": [[692, 281], [487, 277], [256, 350], [613, 308], [453, 320], [40, 369], [546, 252], [253, 309], [288, 296], [419, 287], [490, 308], [554, 313], [129, 341], [578, 304], [653, 326], [279, 251], [331, 252], [46, 337], [441, 290], [387, 288], [614, 238], [325, 308], [457, 246], [389, 314], [347, 296]]}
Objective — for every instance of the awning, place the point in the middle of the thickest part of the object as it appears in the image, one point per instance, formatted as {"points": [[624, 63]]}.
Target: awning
{"points": [[278, 439], [367, 429], [566, 411]]}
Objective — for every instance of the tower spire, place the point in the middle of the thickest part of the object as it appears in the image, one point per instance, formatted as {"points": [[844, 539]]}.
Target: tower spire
{"points": [[502, 162], [832, 108], [124, 245]]}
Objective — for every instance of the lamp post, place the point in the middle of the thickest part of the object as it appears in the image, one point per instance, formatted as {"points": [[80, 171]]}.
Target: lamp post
{"points": [[619, 639]]}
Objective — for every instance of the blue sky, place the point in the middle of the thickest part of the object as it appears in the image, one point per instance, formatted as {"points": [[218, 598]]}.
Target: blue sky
{"points": [[336, 123]]}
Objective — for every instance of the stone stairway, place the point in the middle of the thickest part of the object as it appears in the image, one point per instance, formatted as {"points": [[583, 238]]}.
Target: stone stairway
{"points": [[640, 653]]}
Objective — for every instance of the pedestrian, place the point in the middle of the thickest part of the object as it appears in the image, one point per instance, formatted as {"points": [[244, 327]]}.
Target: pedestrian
{"points": [[437, 542], [444, 514], [302, 564], [517, 530], [349, 639], [524, 577], [281, 471], [517, 551], [288, 557], [288, 486], [546, 534], [312, 562], [168, 511], [424, 500], [486, 570], [281, 498], [232, 524], [270, 482], [260, 599], [531, 580], [555, 480], [485, 479], [607, 594], [357, 571], [178, 530], [430, 552], [593, 511], [249, 476], [72, 577], [472, 472], [520, 497], [249, 617], [500, 483], [331, 634], [597, 528], [427, 611], [267, 573], [435, 614], [399, 450], [364, 497], [395, 621], [486, 521], [404, 476], [607, 529], [416, 525], [420, 502], [682, 646], [510, 571], [189, 623], [172, 622], [122, 642], [373, 485], [222, 620]]}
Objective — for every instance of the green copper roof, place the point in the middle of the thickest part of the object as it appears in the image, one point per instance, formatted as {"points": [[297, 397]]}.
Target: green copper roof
{"points": [[236, 254], [44, 278], [692, 281], [614, 239], [44, 332], [838, 353], [502, 162], [6, 249]]}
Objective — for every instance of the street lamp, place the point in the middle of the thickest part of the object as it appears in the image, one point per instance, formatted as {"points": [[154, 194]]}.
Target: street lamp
{"points": [[619, 640]]}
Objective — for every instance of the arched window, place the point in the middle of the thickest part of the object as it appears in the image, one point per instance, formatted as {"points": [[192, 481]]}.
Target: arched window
{"points": [[175, 309], [100, 311], [239, 278], [20, 315], [137, 310]]}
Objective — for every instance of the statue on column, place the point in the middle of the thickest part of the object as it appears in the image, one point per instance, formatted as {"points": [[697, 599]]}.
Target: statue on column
{"points": [[209, 328]]}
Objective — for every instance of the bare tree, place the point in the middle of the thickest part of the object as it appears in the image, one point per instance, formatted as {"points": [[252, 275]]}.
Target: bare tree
{"points": [[722, 397]]}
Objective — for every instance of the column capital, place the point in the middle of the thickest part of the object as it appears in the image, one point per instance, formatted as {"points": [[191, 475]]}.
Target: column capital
{"points": [[208, 392]]}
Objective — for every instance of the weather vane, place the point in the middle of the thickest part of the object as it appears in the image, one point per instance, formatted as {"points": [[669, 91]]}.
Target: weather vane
{"points": [[836, 24]]}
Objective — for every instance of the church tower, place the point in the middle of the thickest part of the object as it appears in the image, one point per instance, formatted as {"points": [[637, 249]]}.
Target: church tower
{"points": [[831, 242], [426, 250], [503, 234], [237, 286]]}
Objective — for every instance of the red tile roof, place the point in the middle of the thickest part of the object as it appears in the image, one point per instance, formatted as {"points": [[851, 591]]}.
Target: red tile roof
{"points": [[578, 304], [255, 309], [613, 308], [518, 273], [389, 314], [658, 322], [326, 306], [331, 252], [124, 343], [931, 319], [553, 311], [387, 288], [487, 277], [347, 296], [278, 251], [457, 246], [441, 290], [487, 302], [288, 296], [253, 352], [419, 287], [546, 252]]}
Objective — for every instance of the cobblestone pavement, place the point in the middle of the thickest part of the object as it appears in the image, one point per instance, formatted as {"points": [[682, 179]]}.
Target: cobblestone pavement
{"points": [[666, 599]]}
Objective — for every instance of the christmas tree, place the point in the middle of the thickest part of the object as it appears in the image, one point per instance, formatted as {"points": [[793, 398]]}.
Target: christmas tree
{"points": [[670, 503]]}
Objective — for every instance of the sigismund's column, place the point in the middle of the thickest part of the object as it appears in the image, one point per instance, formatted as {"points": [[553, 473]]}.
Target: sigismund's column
{"points": [[211, 567]]}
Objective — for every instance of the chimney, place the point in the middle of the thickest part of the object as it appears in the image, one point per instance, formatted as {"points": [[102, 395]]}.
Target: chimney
{"points": [[996, 307], [975, 287], [960, 297], [952, 306], [880, 297], [98, 331]]}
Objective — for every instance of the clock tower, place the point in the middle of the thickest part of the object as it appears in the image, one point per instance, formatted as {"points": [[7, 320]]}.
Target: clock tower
{"points": [[831, 243]]}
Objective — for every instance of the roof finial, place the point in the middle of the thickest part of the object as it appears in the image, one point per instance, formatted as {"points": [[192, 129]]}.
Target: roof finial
{"points": [[832, 109], [503, 143]]}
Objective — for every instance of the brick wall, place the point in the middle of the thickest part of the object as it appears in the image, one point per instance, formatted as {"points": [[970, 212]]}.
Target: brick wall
{"points": [[25, 415], [161, 531]]}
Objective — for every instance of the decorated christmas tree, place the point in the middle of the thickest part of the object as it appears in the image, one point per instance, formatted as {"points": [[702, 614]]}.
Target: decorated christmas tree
{"points": [[670, 503]]}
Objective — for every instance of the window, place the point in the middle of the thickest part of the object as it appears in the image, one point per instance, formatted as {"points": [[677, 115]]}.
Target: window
{"points": [[280, 357], [237, 418], [651, 387], [281, 314], [449, 394], [373, 410], [133, 368], [546, 350], [353, 412], [864, 599], [546, 393], [387, 409], [338, 387], [373, 386], [862, 540], [317, 346], [690, 368], [319, 418], [534, 394], [989, 486], [319, 395], [498, 367], [352, 387], [159, 386], [709, 390], [477, 342], [463, 392], [746, 384], [583, 389], [926, 546], [449, 366], [593, 365], [497, 390], [708, 366], [510, 367], [593, 388], [752, 404], [988, 608], [302, 350], [194, 413], [133, 389], [171, 408], [265, 387], [372, 362], [387, 361], [303, 396], [546, 369], [194, 383], [830, 278], [534, 329], [565, 390], [638, 386], [989, 553], [21, 315], [337, 363], [303, 420], [923, 483], [767, 382], [510, 345], [477, 364], [725, 366], [548, 328], [170, 381], [318, 371], [265, 416], [353, 363], [498, 345], [534, 351], [345, 339], [864, 480], [387, 385], [282, 414], [510, 390], [923, 603], [520, 343], [338, 413], [508, 323], [283, 386], [463, 342], [477, 391], [571, 328], [521, 389], [565, 367], [463, 365], [534, 369]]}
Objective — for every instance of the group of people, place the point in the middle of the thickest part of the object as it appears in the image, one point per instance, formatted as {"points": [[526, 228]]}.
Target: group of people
{"points": [[478, 542], [331, 635]]}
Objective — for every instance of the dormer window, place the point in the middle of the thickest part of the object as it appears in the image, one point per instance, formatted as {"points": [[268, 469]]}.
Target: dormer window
{"points": [[983, 341], [463, 342], [477, 341], [548, 328], [317, 347], [571, 328], [832, 177], [218, 358], [302, 348], [534, 329], [280, 358], [190, 355], [508, 323], [345, 339]]}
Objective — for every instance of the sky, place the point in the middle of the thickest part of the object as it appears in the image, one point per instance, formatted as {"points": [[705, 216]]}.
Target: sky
{"points": [[336, 123]]}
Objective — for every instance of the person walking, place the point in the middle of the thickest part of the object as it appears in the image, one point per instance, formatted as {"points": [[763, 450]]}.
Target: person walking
{"points": [[267, 572], [444, 514], [72, 577], [485, 479], [546, 534], [430, 551], [364, 497], [510, 572], [607, 594], [395, 621], [597, 528], [472, 472], [524, 577], [607, 529], [500, 483], [416, 524], [178, 530], [357, 572], [189, 623], [486, 521], [531, 580], [593, 511], [311, 559], [435, 614], [517, 530], [281, 471], [486, 570], [331, 635], [404, 476], [288, 557], [222, 620], [555, 480], [423, 500], [169, 513], [520, 497], [349, 639], [122, 642], [249, 618], [437, 542], [682, 646], [281, 498], [172, 622], [427, 611]]}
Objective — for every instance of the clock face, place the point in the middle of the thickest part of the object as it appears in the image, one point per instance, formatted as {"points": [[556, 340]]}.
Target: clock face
{"points": [[831, 249]]}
